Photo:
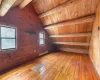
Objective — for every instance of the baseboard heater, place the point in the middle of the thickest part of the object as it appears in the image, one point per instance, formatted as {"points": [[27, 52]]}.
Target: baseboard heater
{"points": [[43, 53]]}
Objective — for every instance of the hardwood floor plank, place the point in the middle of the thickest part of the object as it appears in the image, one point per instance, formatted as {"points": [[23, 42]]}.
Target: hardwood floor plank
{"points": [[55, 66], [63, 71]]}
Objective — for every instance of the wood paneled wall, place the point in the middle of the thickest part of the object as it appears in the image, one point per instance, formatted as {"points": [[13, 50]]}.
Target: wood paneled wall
{"points": [[95, 42], [27, 45], [68, 22], [71, 27]]}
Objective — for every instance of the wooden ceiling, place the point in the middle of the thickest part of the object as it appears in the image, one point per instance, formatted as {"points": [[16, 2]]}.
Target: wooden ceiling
{"points": [[68, 22], [5, 5]]}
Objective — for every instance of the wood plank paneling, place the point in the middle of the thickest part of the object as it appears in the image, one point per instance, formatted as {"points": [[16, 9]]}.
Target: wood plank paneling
{"points": [[73, 9], [55, 66], [72, 39], [47, 5], [72, 35], [74, 50], [73, 43], [80, 37], [72, 46], [95, 42], [73, 22], [69, 29], [71, 17]]}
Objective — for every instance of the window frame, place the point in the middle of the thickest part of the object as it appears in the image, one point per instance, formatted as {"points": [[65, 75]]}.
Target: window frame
{"points": [[6, 26], [42, 38]]}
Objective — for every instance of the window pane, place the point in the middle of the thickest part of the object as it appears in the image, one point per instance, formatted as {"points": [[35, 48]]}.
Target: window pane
{"points": [[41, 35], [41, 41], [7, 43], [7, 32]]}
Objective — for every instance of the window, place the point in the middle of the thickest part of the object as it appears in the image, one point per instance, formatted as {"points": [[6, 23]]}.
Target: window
{"points": [[42, 38], [7, 38]]}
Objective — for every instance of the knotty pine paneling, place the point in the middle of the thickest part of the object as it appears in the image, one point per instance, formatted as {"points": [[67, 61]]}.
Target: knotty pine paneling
{"points": [[72, 46], [74, 50], [95, 42], [42, 6], [72, 39], [72, 28], [27, 45], [73, 9], [71, 17], [73, 43], [76, 21]]}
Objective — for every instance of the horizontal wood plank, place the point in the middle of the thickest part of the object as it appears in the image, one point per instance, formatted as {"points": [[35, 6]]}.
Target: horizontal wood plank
{"points": [[68, 4], [74, 50], [47, 5], [72, 46], [71, 39], [71, 29], [72, 35], [73, 43], [73, 22]]}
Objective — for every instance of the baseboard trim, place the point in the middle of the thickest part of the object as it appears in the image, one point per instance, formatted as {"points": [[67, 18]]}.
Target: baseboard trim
{"points": [[41, 54], [94, 67]]}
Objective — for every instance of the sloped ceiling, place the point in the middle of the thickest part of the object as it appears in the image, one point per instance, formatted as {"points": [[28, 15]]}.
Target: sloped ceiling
{"points": [[68, 22]]}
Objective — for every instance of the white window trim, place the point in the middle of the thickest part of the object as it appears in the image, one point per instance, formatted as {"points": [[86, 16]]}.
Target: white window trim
{"points": [[42, 38], [15, 37]]}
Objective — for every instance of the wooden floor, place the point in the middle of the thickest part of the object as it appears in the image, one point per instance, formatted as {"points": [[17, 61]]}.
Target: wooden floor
{"points": [[55, 66]]}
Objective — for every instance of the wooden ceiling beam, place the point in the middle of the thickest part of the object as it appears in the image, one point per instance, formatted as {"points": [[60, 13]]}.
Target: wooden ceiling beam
{"points": [[72, 35], [25, 3], [76, 21], [73, 43], [17, 3], [5, 6]]}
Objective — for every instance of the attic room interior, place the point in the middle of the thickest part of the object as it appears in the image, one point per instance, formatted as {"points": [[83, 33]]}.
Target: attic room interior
{"points": [[49, 40]]}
